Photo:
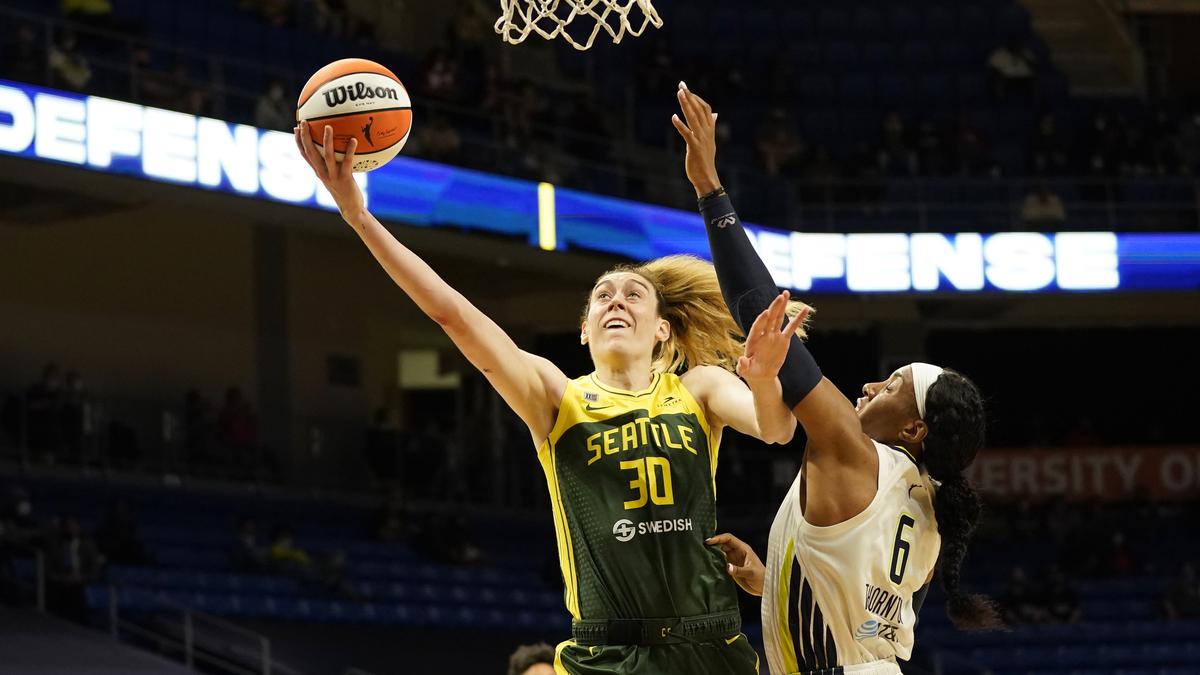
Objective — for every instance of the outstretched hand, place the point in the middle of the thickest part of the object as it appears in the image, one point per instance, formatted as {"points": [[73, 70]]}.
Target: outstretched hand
{"points": [[700, 133], [766, 345], [337, 177], [741, 562]]}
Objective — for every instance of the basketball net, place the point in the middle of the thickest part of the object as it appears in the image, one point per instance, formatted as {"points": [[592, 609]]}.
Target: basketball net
{"points": [[552, 18]]}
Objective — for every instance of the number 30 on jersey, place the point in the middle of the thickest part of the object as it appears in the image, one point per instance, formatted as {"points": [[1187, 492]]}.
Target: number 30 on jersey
{"points": [[652, 482]]}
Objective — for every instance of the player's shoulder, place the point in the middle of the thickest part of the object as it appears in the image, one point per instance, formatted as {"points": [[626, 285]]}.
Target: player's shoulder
{"points": [[896, 463], [701, 378]]}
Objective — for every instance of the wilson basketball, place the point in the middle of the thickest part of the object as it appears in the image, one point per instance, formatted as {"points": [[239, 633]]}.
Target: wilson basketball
{"points": [[359, 99]]}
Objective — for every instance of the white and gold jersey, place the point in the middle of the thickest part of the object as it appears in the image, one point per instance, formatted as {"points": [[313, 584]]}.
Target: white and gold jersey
{"points": [[842, 596]]}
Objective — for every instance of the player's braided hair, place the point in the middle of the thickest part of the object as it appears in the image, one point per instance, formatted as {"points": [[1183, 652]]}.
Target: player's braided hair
{"points": [[689, 298], [955, 416]]}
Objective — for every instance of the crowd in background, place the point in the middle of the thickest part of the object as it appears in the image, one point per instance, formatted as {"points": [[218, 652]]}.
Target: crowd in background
{"points": [[476, 116]]}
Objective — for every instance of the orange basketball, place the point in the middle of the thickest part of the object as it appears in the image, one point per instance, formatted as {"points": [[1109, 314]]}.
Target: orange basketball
{"points": [[359, 99]]}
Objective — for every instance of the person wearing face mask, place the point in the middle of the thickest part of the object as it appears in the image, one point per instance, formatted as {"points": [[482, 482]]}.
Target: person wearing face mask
{"points": [[629, 451], [880, 502]]}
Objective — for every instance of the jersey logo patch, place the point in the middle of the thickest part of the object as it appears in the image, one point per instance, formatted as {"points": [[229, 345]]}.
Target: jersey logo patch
{"points": [[872, 629], [669, 401], [591, 397], [594, 408]]}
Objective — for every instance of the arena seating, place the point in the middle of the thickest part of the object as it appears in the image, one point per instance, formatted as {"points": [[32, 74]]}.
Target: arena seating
{"points": [[190, 535]]}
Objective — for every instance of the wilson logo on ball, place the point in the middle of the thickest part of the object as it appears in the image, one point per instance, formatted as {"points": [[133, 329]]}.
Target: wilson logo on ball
{"points": [[360, 100], [357, 92]]}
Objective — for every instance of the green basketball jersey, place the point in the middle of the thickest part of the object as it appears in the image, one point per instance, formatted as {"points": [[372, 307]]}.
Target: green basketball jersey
{"points": [[631, 478]]}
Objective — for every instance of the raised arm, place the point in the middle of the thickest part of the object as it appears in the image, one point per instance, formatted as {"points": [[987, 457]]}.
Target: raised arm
{"points": [[753, 407], [827, 416], [532, 386]]}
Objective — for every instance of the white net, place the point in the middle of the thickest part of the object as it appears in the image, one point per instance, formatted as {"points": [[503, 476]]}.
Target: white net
{"points": [[553, 18]]}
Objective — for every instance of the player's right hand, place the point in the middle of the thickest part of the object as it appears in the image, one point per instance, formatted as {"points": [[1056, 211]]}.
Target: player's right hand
{"points": [[767, 345], [337, 177], [700, 133], [741, 562]]}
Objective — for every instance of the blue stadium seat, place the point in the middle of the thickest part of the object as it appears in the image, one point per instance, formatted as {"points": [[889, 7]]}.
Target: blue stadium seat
{"points": [[817, 88], [841, 54], [869, 21], [834, 21], [904, 20], [762, 21], [874, 54], [975, 20], [940, 20], [797, 22], [857, 88]]}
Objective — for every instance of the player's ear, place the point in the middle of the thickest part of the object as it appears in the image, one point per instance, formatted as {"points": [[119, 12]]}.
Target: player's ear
{"points": [[914, 431], [664, 330], [583, 335]]}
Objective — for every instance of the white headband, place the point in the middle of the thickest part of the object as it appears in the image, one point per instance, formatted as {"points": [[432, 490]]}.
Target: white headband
{"points": [[924, 375]]}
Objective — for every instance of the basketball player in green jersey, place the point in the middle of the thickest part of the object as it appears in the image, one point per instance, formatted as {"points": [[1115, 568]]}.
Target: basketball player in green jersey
{"points": [[629, 451]]}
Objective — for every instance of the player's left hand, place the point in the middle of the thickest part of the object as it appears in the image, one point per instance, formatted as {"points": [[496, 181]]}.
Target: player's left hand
{"points": [[741, 562], [766, 345], [337, 177], [700, 132]]}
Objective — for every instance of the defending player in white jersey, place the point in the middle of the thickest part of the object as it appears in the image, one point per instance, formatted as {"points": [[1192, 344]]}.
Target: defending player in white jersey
{"points": [[880, 502]]}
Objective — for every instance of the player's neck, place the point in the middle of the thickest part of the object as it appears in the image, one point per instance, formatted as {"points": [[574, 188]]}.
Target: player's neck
{"points": [[625, 376]]}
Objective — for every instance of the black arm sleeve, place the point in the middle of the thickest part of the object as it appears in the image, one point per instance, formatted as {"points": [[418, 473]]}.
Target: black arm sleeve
{"points": [[748, 289]]}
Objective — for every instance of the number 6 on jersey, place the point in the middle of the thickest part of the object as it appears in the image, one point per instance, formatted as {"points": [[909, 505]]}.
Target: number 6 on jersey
{"points": [[896, 570]]}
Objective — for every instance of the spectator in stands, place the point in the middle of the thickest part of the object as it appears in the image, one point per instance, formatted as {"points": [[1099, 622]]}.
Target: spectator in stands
{"points": [[16, 513], [1061, 603], [864, 168], [91, 12], [273, 111], [931, 151], [1188, 143], [192, 96], [22, 58], [971, 151], [247, 555], [389, 521], [73, 563], [285, 557], [535, 659], [197, 427], [151, 84], [779, 146], [1019, 603], [1013, 70], [1182, 600], [440, 77], [899, 159], [117, 536], [439, 141], [1120, 559], [43, 403], [274, 12], [75, 417], [383, 447], [328, 17], [1042, 208], [237, 426], [69, 69], [1049, 154], [523, 112]]}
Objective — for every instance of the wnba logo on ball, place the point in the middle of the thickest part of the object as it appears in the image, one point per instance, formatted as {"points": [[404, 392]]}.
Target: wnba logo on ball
{"points": [[356, 92]]}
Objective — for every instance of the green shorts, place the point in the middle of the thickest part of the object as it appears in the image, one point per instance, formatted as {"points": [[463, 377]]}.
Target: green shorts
{"points": [[733, 656]]}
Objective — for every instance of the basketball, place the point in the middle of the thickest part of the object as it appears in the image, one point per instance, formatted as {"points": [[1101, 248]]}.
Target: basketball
{"points": [[359, 99]]}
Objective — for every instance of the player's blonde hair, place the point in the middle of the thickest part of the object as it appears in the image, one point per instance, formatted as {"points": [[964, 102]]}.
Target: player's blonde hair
{"points": [[689, 298]]}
